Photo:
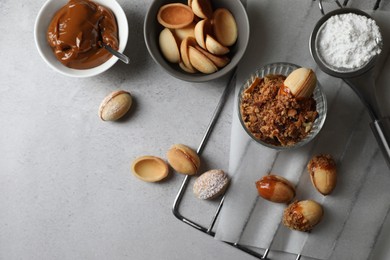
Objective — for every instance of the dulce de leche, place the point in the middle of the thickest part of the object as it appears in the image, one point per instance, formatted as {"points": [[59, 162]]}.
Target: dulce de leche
{"points": [[77, 31]]}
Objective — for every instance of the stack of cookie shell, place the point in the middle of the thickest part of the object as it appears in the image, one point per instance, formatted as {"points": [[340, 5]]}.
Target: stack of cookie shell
{"points": [[196, 36]]}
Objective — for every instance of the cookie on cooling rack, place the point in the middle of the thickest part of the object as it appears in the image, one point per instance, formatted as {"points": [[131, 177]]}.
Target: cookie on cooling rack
{"points": [[211, 184]]}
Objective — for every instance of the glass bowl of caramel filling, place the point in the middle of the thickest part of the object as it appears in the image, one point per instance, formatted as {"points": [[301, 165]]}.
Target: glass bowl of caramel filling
{"points": [[69, 35], [279, 110]]}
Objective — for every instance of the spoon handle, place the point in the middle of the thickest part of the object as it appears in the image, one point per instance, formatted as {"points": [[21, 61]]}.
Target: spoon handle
{"points": [[381, 130], [119, 55], [380, 126]]}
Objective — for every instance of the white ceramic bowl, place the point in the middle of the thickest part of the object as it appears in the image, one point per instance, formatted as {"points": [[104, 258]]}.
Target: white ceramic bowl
{"points": [[152, 30], [42, 23]]}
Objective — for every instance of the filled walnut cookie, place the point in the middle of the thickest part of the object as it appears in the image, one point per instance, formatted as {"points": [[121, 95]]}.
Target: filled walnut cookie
{"points": [[211, 184], [275, 188], [322, 170], [303, 215], [115, 105], [183, 159]]}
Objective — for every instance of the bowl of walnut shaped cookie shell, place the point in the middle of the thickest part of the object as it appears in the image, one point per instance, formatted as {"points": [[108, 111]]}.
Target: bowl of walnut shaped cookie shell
{"points": [[194, 40], [282, 106]]}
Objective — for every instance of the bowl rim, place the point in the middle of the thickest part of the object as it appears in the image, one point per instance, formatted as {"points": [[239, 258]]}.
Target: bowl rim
{"points": [[150, 19], [305, 140], [123, 34], [316, 54]]}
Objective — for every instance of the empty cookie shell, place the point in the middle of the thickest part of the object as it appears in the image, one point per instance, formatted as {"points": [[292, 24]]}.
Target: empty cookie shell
{"points": [[211, 184], [150, 168], [225, 27], [186, 69], [175, 15], [219, 61], [184, 51], [201, 62], [183, 159], [202, 28], [214, 47], [201, 8], [168, 46], [188, 31]]}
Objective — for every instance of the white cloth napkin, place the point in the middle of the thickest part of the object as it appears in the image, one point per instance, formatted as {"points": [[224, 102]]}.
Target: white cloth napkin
{"points": [[355, 211]]}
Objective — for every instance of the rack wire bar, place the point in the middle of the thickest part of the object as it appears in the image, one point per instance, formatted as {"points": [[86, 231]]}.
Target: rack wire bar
{"points": [[376, 6]]}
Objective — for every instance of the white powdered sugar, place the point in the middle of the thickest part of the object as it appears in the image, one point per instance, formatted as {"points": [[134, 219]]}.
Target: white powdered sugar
{"points": [[349, 41]]}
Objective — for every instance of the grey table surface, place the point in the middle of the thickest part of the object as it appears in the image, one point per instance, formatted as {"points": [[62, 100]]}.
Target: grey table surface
{"points": [[66, 190]]}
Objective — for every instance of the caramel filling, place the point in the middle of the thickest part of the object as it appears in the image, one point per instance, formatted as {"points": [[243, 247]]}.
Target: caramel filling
{"points": [[77, 31]]}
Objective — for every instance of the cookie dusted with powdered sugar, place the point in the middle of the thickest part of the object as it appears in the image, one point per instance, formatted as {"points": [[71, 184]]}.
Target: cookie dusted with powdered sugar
{"points": [[211, 184]]}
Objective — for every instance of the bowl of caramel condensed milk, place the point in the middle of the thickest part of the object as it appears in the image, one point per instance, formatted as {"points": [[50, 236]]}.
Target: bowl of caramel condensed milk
{"points": [[69, 35]]}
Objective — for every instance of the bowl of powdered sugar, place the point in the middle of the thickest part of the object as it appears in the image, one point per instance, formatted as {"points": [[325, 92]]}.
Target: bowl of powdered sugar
{"points": [[346, 42]]}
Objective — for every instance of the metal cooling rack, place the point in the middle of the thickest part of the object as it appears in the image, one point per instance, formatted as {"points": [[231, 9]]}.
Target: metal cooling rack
{"points": [[214, 118]]}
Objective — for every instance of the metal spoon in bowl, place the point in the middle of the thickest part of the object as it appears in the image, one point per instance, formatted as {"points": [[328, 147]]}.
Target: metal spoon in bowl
{"points": [[361, 80], [117, 54]]}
